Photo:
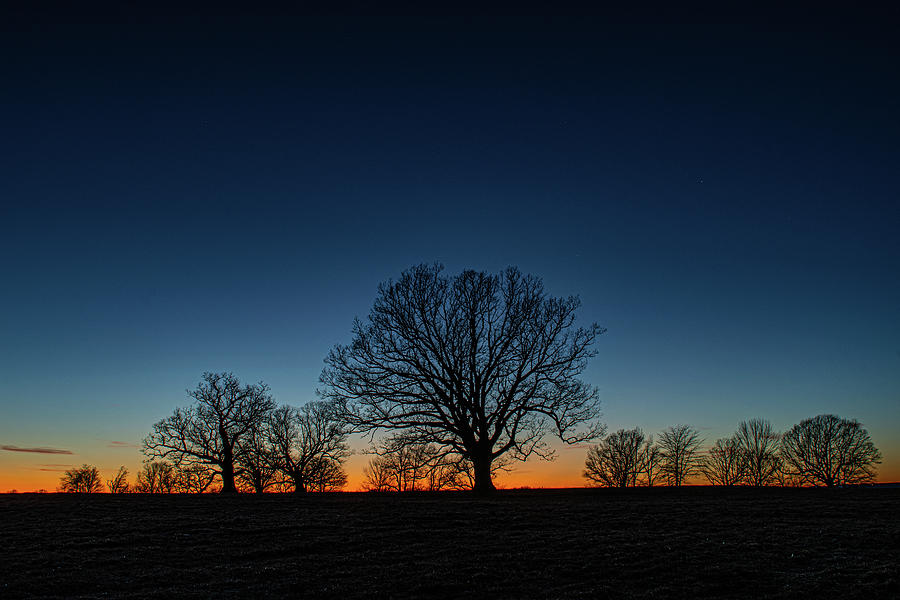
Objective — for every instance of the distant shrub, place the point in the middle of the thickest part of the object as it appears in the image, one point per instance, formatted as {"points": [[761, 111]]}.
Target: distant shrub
{"points": [[119, 483], [81, 480]]}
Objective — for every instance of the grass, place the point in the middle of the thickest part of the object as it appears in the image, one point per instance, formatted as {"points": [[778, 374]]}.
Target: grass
{"points": [[656, 543]]}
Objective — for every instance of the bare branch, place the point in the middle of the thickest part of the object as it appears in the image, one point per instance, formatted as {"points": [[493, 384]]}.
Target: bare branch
{"points": [[831, 451], [208, 433], [485, 365], [679, 447]]}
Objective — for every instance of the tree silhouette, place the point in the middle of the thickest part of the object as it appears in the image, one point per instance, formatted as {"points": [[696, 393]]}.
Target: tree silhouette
{"points": [[650, 458], [328, 476], [679, 447], [193, 478], [828, 450], [378, 475], [412, 465], [404, 471], [209, 431], [255, 458], [617, 460], [454, 472], [760, 443], [156, 477], [81, 480], [403, 465], [480, 365], [308, 446], [726, 463], [119, 483]]}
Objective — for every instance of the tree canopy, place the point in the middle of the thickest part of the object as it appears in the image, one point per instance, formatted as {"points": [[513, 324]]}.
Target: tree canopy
{"points": [[478, 364], [209, 431], [829, 450]]}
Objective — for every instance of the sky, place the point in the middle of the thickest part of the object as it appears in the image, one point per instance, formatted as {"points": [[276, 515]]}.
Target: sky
{"points": [[206, 194]]}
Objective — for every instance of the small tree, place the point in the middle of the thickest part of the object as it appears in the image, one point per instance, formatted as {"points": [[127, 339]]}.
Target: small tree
{"points": [[81, 480], [156, 477], [306, 443], [725, 463], [378, 475], [209, 432], [409, 463], [650, 457], [828, 450], [616, 460], [193, 479], [454, 472], [401, 466], [760, 444], [119, 483], [328, 476], [679, 449], [255, 458]]}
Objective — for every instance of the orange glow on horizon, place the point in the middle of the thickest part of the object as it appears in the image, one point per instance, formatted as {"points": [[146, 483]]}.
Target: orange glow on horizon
{"points": [[565, 472]]}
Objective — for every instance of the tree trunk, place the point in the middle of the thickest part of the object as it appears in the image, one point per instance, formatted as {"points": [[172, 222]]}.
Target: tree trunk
{"points": [[482, 467], [228, 486], [299, 486]]}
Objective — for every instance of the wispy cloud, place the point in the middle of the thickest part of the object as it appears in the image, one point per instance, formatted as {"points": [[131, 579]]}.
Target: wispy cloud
{"points": [[115, 444], [54, 465], [36, 450], [54, 470]]}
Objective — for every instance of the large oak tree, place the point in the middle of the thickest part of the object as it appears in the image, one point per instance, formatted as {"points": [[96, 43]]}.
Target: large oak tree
{"points": [[481, 365]]}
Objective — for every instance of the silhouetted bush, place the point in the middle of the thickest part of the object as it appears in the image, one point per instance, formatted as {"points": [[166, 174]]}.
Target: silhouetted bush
{"points": [[83, 480]]}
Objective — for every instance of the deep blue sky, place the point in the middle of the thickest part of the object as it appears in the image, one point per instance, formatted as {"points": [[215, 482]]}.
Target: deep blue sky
{"points": [[226, 195]]}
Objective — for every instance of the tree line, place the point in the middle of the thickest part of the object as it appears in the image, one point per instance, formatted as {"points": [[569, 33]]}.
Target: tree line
{"points": [[465, 374], [234, 435], [825, 450], [237, 433]]}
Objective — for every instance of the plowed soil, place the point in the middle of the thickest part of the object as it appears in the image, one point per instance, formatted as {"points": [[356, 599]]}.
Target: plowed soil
{"points": [[656, 543]]}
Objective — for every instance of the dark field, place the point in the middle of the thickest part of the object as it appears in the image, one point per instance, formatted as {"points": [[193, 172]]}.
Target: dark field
{"points": [[658, 543]]}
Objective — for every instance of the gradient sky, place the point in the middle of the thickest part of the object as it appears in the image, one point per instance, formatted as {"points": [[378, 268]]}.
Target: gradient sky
{"points": [[226, 195]]}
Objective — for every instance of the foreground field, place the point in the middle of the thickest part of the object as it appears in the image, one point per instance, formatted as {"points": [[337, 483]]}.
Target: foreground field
{"points": [[658, 543]]}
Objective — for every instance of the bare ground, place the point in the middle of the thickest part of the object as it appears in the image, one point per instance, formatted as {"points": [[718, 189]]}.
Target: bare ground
{"points": [[657, 543]]}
